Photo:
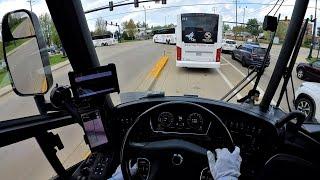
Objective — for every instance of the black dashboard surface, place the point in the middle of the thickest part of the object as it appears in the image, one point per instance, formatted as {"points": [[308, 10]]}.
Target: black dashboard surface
{"points": [[251, 130]]}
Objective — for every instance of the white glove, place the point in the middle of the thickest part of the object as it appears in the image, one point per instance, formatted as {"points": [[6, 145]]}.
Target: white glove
{"points": [[118, 174], [227, 165]]}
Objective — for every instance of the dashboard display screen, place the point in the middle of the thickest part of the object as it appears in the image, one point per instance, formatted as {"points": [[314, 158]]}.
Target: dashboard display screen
{"points": [[98, 81], [94, 129]]}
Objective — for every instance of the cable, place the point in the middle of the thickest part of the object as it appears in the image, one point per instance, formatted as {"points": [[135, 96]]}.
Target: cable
{"points": [[273, 7], [279, 7], [186, 5]]}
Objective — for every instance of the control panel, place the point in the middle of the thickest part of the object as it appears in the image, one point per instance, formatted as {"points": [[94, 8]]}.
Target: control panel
{"points": [[180, 123], [93, 168]]}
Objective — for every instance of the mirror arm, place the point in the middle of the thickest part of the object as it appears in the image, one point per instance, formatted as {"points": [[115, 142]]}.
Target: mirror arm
{"points": [[48, 143]]}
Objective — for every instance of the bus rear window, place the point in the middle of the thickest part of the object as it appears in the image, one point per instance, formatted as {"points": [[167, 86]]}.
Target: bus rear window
{"points": [[199, 28]]}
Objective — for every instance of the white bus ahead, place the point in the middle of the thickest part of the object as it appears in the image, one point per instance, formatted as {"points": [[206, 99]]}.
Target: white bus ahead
{"points": [[199, 37], [104, 40], [167, 36]]}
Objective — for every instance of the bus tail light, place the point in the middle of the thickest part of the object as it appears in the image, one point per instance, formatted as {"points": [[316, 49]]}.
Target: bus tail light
{"points": [[218, 55], [178, 53]]}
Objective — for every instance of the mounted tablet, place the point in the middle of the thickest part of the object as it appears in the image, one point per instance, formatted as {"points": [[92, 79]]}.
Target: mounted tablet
{"points": [[94, 82]]}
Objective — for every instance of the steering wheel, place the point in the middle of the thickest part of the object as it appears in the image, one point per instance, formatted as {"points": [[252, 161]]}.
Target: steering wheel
{"points": [[167, 145]]}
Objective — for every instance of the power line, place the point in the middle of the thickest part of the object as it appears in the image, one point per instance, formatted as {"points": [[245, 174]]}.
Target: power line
{"points": [[279, 7], [186, 5], [273, 7]]}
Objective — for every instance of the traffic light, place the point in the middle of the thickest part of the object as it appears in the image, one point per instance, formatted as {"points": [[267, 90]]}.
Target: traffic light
{"points": [[111, 5], [136, 3], [111, 23], [106, 23], [162, 1], [116, 24]]}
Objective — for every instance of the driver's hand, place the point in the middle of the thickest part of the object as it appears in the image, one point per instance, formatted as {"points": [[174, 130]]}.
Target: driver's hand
{"points": [[227, 165], [118, 174]]}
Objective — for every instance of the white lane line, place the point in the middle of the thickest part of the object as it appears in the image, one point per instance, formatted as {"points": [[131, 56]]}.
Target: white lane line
{"points": [[228, 83], [262, 92]]}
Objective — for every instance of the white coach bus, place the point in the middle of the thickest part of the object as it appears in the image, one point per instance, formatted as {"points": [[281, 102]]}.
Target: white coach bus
{"points": [[104, 40], [166, 36], [199, 38]]}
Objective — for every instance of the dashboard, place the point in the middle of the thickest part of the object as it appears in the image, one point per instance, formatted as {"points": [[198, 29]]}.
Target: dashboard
{"points": [[255, 134]]}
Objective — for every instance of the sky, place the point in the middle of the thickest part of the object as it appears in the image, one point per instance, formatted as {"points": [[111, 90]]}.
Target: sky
{"points": [[158, 14]]}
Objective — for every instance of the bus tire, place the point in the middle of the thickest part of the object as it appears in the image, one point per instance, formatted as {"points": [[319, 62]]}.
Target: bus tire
{"points": [[168, 41]]}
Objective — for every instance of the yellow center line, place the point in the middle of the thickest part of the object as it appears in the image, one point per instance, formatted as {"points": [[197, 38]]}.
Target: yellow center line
{"points": [[155, 71]]}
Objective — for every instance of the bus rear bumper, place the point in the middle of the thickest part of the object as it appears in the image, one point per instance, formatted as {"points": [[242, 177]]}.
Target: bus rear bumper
{"points": [[197, 64]]}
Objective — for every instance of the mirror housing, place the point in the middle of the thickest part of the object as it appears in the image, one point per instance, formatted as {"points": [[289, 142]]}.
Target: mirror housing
{"points": [[270, 23], [25, 53]]}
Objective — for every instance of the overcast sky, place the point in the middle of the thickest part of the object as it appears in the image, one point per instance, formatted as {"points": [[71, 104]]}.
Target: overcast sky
{"points": [[158, 14]]}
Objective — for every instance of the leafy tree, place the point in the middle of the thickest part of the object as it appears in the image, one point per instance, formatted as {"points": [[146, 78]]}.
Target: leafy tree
{"points": [[282, 30], [130, 28], [55, 37], [253, 27], [100, 27], [46, 26], [238, 29], [139, 25], [226, 27]]}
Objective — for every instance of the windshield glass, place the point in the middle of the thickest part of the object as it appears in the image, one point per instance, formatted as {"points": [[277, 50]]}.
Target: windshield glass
{"points": [[174, 48], [196, 26], [231, 42], [259, 50]]}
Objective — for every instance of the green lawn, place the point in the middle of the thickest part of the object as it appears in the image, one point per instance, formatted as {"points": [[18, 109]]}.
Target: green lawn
{"points": [[4, 78], [55, 59], [311, 60]]}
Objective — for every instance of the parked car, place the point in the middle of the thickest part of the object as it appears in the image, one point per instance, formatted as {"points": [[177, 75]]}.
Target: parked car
{"points": [[250, 55], [309, 71], [228, 45], [308, 100]]}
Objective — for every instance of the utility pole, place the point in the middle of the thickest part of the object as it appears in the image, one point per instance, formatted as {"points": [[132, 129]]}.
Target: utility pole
{"points": [[30, 2], [314, 30], [236, 13], [214, 10], [244, 14], [165, 20], [145, 21]]}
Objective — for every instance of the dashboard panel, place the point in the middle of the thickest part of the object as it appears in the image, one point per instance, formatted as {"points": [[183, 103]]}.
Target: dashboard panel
{"points": [[255, 134]]}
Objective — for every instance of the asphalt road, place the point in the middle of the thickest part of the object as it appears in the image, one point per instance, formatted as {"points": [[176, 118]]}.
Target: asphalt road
{"points": [[26, 66], [24, 29], [133, 61]]}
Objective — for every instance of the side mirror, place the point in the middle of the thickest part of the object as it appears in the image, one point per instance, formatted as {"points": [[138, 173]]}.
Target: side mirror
{"points": [[25, 53]]}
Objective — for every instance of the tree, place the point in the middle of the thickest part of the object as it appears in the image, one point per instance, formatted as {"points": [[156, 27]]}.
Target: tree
{"points": [[130, 28], [282, 30], [46, 26], [253, 27], [100, 27], [55, 37], [238, 29], [226, 27]]}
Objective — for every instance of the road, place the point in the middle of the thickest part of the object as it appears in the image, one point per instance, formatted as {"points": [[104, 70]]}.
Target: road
{"points": [[133, 60], [26, 66], [24, 29]]}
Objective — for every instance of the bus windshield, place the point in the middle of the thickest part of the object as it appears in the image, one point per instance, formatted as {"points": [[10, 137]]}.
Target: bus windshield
{"points": [[199, 28]]}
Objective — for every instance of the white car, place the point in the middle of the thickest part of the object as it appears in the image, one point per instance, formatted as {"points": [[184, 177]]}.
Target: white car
{"points": [[308, 100], [228, 45]]}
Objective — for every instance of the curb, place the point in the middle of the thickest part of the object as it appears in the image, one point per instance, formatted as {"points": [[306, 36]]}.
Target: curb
{"points": [[7, 89], [153, 75]]}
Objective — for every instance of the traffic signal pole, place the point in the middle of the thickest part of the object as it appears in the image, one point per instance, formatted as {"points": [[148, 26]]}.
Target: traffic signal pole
{"points": [[314, 31]]}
